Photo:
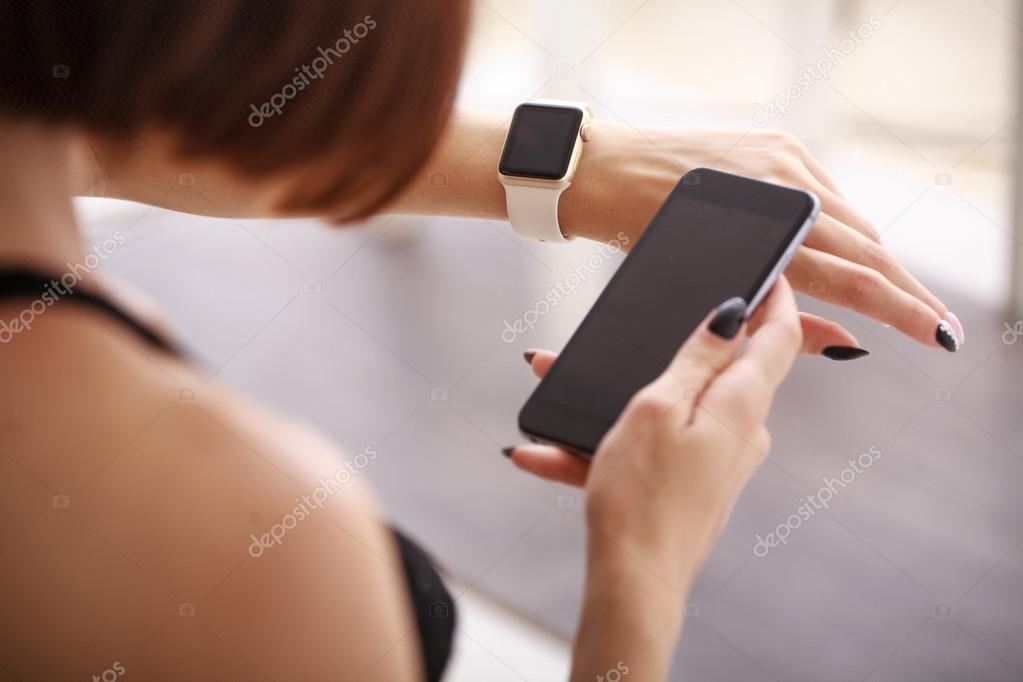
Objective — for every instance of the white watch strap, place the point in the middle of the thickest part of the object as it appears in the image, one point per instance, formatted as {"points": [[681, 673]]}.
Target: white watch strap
{"points": [[533, 212]]}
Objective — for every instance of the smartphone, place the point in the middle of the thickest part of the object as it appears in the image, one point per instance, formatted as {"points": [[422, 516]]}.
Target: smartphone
{"points": [[715, 237]]}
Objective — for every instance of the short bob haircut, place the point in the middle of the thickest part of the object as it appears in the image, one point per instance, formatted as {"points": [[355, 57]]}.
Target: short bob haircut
{"points": [[348, 96]]}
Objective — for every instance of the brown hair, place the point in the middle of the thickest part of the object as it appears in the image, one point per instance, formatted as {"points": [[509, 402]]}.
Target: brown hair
{"points": [[350, 95]]}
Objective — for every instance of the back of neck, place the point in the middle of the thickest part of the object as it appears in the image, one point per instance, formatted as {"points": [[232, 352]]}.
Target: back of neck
{"points": [[37, 176]]}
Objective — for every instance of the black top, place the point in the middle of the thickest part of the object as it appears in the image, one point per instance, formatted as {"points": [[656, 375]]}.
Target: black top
{"points": [[432, 604]]}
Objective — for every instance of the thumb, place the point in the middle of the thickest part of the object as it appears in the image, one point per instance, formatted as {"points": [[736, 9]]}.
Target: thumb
{"points": [[703, 356]]}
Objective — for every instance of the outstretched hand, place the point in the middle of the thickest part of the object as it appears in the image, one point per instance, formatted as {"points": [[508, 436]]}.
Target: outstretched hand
{"points": [[627, 174]]}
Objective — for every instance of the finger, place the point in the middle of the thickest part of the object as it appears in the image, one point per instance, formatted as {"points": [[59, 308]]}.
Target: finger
{"points": [[818, 334], [779, 336], [864, 290], [821, 175], [820, 337], [704, 354], [827, 338], [540, 361], [834, 205], [742, 394], [832, 201], [840, 240], [551, 463]]}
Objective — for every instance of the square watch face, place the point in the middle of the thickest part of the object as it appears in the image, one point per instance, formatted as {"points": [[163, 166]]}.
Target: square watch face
{"points": [[540, 141]]}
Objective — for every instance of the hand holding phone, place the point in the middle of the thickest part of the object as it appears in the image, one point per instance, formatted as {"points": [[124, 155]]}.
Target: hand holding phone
{"points": [[667, 474], [717, 236]]}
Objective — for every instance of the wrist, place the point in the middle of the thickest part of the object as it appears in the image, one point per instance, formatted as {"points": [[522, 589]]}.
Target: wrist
{"points": [[630, 621], [637, 557], [623, 177], [589, 208], [628, 593], [668, 540]]}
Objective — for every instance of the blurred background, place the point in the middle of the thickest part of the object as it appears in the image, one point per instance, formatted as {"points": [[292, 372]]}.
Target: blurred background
{"points": [[388, 335]]}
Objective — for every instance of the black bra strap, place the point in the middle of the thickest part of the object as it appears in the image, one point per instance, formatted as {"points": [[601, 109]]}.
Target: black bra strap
{"points": [[433, 607], [23, 283]]}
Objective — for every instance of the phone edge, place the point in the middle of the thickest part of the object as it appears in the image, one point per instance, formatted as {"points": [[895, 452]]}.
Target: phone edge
{"points": [[790, 251]]}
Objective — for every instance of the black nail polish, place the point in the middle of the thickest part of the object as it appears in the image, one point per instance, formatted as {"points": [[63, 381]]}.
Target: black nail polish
{"points": [[529, 355], [844, 352], [728, 318], [507, 452], [946, 337]]}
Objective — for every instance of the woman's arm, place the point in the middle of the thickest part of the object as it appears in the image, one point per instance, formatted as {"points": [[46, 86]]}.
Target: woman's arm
{"points": [[632, 610], [623, 178], [664, 480]]}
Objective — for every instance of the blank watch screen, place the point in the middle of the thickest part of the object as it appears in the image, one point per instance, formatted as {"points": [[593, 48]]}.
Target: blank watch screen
{"points": [[540, 141]]}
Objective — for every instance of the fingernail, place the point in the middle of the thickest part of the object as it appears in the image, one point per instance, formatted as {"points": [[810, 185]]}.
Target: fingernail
{"points": [[844, 352], [529, 355], [507, 452], [957, 326], [728, 317], [946, 337]]}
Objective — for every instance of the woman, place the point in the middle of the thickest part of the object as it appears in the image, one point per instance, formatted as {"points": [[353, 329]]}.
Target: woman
{"points": [[134, 516]]}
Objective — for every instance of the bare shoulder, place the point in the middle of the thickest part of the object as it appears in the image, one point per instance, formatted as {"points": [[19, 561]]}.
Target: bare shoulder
{"points": [[179, 530]]}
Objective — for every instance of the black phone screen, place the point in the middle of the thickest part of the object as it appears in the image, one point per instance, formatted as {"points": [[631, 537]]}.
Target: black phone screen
{"points": [[716, 236]]}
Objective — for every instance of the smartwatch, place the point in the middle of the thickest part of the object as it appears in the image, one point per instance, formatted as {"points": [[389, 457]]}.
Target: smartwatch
{"points": [[541, 152]]}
